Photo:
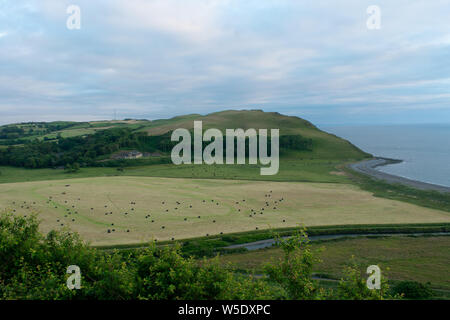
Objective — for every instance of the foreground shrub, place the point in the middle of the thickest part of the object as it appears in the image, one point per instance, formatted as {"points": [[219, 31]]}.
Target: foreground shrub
{"points": [[412, 290], [33, 266], [293, 272], [354, 287]]}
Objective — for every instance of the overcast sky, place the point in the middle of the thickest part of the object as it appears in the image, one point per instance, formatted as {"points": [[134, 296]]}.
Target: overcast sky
{"points": [[160, 58]]}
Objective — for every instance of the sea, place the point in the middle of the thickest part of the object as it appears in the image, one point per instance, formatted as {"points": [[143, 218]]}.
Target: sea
{"points": [[424, 148]]}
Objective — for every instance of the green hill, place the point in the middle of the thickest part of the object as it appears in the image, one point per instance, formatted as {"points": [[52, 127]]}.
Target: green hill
{"points": [[92, 145], [325, 145]]}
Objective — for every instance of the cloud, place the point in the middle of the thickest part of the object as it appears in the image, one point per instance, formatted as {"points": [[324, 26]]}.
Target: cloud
{"points": [[188, 20], [159, 58]]}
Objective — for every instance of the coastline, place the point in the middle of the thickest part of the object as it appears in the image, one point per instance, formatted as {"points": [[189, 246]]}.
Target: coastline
{"points": [[367, 167]]}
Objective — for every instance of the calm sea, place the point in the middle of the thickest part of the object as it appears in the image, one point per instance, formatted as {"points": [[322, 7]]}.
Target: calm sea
{"points": [[425, 149]]}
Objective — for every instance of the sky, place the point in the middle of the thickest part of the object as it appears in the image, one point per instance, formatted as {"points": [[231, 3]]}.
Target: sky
{"points": [[161, 58]]}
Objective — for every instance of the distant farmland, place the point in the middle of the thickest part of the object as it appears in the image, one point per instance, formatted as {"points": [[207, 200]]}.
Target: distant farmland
{"points": [[139, 209]]}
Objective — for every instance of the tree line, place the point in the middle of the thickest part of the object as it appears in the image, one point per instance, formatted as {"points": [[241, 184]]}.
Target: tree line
{"points": [[87, 150]]}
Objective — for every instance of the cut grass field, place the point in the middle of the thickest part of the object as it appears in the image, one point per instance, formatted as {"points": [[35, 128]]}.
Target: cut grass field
{"points": [[422, 259], [137, 201]]}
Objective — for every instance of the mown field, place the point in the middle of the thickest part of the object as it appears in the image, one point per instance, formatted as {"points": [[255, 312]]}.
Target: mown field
{"points": [[139, 209], [422, 259]]}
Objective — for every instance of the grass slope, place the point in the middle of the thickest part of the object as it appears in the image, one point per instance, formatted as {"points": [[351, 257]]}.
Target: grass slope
{"points": [[311, 166], [325, 146]]}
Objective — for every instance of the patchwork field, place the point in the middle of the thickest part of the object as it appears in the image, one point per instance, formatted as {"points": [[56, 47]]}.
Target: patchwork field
{"points": [[423, 259], [120, 210]]}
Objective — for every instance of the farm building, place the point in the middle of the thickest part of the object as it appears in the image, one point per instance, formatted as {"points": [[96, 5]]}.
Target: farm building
{"points": [[128, 155]]}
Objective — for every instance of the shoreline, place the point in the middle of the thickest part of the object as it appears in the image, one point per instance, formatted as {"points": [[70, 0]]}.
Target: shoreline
{"points": [[367, 167]]}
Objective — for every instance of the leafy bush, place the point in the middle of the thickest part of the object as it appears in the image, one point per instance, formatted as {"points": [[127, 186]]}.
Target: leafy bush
{"points": [[293, 273], [354, 287], [33, 266], [412, 290]]}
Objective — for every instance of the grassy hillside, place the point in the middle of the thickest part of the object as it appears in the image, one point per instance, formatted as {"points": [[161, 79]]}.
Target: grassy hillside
{"points": [[19, 133], [314, 165], [325, 146]]}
